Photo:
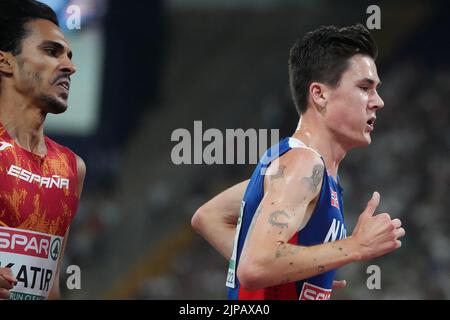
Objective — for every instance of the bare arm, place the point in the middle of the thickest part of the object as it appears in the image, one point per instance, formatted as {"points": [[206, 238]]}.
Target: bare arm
{"points": [[216, 220], [55, 292], [81, 173], [268, 259]]}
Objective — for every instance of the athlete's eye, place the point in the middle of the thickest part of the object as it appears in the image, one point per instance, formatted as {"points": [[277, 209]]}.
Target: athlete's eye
{"points": [[364, 88], [51, 51]]}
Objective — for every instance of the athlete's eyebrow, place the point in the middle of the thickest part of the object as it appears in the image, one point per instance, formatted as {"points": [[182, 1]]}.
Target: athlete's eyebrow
{"points": [[370, 81], [58, 46]]}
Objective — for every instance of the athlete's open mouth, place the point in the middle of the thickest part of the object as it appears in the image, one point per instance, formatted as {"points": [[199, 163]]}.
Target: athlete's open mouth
{"points": [[371, 123], [65, 84]]}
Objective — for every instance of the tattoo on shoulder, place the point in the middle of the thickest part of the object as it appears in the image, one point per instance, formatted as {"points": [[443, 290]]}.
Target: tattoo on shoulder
{"points": [[315, 179]]}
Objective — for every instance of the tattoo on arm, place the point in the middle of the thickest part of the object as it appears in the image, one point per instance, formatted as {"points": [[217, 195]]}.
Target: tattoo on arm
{"points": [[273, 219], [315, 179], [285, 249]]}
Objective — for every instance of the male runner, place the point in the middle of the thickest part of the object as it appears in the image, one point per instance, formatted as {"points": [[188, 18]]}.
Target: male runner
{"points": [[40, 180], [290, 236]]}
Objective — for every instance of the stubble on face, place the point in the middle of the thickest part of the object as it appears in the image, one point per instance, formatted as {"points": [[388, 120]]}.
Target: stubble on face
{"points": [[33, 84]]}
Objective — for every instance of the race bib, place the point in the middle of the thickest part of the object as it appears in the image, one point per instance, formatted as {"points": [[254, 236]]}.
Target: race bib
{"points": [[312, 292], [33, 258]]}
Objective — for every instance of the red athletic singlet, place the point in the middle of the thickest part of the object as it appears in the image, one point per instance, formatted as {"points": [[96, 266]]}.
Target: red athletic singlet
{"points": [[38, 200]]}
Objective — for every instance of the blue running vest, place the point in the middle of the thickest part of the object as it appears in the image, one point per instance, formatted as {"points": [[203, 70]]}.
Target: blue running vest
{"points": [[325, 224]]}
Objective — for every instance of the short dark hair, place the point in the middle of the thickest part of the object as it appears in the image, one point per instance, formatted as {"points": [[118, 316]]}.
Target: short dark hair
{"points": [[322, 56], [14, 15]]}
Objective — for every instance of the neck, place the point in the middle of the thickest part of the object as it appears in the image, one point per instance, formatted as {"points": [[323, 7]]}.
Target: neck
{"points": [[313, 133], [24, 122]]}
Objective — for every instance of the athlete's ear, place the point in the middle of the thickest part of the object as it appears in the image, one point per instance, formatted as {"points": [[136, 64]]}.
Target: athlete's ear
{"points": [[317, 93], [5, 63]]}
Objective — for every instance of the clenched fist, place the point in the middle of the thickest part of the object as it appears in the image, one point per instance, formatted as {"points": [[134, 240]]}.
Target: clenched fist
{"points": [[7, 282], [377, 235]]}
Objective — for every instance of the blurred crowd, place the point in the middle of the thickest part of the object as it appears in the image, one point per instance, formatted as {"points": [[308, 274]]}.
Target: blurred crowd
{"points": [[407, 162]]}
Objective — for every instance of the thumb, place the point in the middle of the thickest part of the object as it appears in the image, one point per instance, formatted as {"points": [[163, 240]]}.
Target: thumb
{"points": [[339, 284], [372, 204], [8, 276]]}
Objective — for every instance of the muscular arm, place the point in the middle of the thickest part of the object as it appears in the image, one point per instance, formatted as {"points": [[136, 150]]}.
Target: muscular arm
{"points": [[216, 220], [81, 173], [267, 258], [55, 292]]}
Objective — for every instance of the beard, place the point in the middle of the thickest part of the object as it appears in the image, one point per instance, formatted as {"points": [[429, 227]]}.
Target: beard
{"points": [[51, 104], [33, 82]]}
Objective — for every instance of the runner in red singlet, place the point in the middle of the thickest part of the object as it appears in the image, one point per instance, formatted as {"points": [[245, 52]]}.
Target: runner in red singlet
{"points": [[40, 180]]}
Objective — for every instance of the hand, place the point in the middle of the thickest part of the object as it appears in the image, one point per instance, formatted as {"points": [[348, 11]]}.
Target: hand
{"points": [[377, 235], [339, 284], [7, 282]]}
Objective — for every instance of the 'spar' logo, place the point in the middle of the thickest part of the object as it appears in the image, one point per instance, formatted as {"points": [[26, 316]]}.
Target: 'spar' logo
{"points": [[24, 243], [312, 292]]}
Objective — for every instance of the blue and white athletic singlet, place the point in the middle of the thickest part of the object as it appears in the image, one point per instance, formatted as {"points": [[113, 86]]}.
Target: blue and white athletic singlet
{"points": [[326, 224]]}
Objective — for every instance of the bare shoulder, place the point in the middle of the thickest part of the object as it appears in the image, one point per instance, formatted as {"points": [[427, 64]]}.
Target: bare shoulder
{"points": [[81, 173], [297, 162], [81, 166], [298, 168]]}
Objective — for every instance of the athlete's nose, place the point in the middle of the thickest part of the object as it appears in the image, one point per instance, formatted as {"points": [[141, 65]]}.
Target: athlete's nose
{"points": [[67, 66], [377, 102]]}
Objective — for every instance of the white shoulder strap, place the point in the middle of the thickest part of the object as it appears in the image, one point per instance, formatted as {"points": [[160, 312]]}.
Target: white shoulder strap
{"points": [[295, 143]]}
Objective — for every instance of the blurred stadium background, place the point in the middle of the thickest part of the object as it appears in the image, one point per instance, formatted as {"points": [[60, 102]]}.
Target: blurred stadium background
{"points": [[146, 68]]}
